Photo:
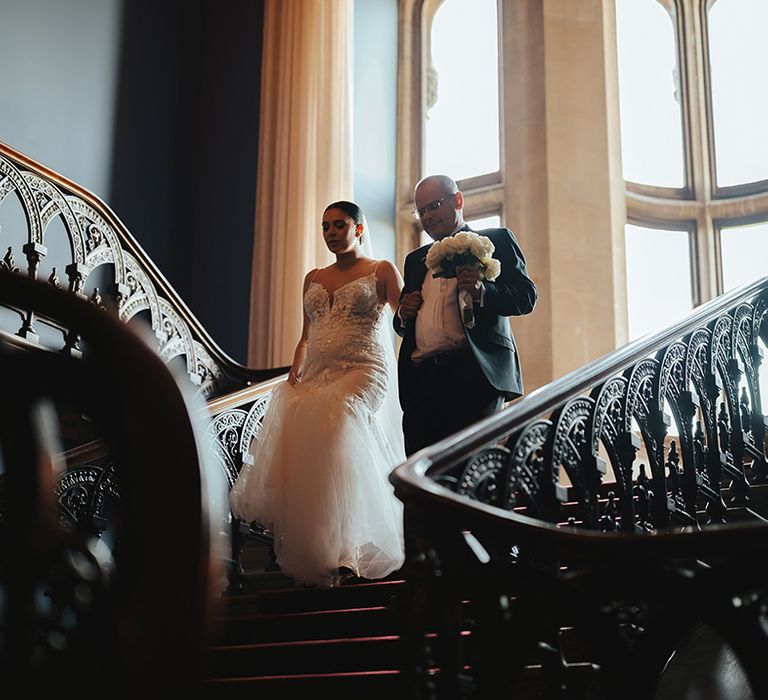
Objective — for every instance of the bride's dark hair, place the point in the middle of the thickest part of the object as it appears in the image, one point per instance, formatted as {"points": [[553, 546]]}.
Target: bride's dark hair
{"points": [[349, 208]]}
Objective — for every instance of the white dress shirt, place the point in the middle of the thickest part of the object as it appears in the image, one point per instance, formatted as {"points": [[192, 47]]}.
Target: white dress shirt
{"points": [[438, 326]]}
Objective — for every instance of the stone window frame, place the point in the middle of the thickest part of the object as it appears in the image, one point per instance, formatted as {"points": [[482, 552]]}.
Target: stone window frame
{"points": [[483, 194], [700, 207]]}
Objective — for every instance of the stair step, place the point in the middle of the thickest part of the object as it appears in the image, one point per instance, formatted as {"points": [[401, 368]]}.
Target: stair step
{"points": [[312, 625], [273, 601], [319, 656], [371, 685], [261, 580]]}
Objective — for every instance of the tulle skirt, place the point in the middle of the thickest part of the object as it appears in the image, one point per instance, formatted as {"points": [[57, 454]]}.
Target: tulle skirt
{"points": [[319, 482]]}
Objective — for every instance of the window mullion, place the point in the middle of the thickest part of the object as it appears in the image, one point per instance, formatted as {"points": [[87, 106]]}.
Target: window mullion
{"points": [[696, 124], [409, 121]]}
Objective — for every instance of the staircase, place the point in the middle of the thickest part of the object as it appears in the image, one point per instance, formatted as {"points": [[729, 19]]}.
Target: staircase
{"points": [[279, 640], [275, 639]]}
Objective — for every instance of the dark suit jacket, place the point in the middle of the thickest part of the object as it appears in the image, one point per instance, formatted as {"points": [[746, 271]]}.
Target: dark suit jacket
{"points": [[512, 293]]}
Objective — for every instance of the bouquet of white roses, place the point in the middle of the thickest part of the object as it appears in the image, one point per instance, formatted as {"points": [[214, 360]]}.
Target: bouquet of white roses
{"points": [[464, 249]]}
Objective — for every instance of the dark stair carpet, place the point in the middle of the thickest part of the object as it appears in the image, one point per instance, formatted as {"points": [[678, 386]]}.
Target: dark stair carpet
{"points": [[279, 640]]}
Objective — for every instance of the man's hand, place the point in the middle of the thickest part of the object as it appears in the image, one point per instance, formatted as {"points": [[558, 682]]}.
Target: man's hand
{"points": [[468, 279], [409, 306]]}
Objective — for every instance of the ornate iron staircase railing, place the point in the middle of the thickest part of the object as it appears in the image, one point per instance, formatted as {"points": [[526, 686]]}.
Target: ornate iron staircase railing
{"points": [[135, 288], [625, 502]]}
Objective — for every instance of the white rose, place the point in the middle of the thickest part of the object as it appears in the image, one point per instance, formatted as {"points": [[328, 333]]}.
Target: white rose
{"points": [[463, 240], [477, 248], [450, 246], [482, 246], [491, 267], [434, 256]]}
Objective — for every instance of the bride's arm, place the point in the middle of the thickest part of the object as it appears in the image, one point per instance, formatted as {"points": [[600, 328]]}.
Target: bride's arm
{"points": [[393, 284], [297, 366]]}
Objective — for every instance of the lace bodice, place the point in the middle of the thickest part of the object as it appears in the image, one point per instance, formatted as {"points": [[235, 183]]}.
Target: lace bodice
{"points": [[344, 336], [356, 301]]}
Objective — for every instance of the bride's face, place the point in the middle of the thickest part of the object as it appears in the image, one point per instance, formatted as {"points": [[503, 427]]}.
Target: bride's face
{"points": [[340, 231]]}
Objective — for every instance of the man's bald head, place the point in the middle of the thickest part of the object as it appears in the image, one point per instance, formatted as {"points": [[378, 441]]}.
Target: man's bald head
{"points": [[440, 205], [444, 183]]}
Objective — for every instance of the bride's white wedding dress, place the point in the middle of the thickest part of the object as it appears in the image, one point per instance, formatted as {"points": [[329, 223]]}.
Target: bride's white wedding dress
{"points": [[319, 478]]}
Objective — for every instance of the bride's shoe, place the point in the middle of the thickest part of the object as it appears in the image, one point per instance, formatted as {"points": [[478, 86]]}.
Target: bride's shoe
{"points": [[346, 575]]}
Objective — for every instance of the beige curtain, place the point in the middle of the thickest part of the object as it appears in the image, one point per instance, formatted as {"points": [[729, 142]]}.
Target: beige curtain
{"points": [[305, 161]]}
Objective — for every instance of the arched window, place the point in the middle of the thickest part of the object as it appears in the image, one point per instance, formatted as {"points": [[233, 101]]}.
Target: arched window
{"points": [[670, 91], [693, 105], [451, 67], [461, 120]]}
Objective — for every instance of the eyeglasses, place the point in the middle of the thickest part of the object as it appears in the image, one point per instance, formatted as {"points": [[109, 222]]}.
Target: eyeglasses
{"points": [[432, 206]]}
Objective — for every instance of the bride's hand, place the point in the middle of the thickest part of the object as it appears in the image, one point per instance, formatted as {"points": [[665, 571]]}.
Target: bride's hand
{"points": [[294, 376]]}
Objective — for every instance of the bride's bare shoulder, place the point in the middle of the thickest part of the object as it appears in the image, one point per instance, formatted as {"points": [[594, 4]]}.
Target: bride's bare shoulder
{"points": [[310, 277], [386, 269]]}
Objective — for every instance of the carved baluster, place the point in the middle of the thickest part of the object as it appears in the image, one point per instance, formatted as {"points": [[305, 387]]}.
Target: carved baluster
{"points": [[699, 451], [713, 389], [658, 422], [76, 274], [642, 477], [35, 252], [759, 421], [627, 445], [723, 429], [119, 293], [608, 521], [53, 279], [687, 403], [72, 343], [745, 412], [715, 507], [739, 486], [672, 465], [96, 299], [675, 497], [8, 263], [588, 466], [643, 497]]}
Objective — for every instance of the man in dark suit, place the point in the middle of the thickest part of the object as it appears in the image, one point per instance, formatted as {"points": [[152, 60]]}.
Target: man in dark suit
{"points": [[449, 375]]}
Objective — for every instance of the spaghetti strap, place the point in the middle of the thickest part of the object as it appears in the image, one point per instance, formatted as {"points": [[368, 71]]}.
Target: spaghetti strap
{"points": [[317, 269]]}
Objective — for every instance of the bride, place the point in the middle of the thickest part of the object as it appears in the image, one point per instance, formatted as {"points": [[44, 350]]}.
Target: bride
{"points": [[332, 433]]}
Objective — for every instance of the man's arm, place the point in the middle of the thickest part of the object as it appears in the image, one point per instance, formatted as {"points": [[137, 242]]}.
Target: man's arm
{"points": [[397, 322], [410, 299]]}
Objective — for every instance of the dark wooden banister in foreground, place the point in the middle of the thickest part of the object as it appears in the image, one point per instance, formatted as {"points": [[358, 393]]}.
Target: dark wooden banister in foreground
{"points": [[77, 619], [520, 508]]}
